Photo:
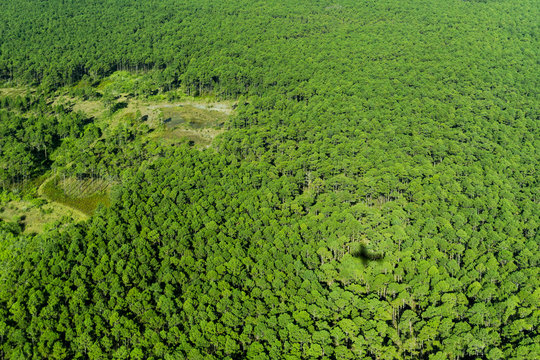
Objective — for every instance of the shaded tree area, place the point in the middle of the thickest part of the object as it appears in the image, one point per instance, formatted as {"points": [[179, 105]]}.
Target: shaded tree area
{"points": [[30, 130]]}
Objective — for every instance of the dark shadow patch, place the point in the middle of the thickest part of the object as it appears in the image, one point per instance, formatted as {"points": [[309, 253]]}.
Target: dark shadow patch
{"points": [[366, 256], [118, 106]]}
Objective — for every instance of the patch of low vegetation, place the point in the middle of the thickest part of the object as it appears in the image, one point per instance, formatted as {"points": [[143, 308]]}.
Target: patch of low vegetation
{"points": [[198, 122], [34, 215], [201, 137], [83, 188], [92, 108], [192, 119], [192, 116], [13, 90], [82, 195]]}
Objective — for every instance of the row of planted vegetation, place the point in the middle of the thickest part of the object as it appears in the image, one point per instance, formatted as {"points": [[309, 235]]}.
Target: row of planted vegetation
{"points": [[375, 194]]}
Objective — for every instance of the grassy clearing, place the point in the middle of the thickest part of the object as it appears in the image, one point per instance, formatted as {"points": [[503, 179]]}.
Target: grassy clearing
{"points": [[36, 214], [201, 137], [92, 108], [196, 117], [200, 114], [14, 91], [187, 117], [198, 122], [170, 117], [82, 195], [83, 188]]}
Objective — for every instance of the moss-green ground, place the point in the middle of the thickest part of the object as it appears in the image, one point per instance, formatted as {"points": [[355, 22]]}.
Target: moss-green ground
{"points": [[83, 196], [35, 215]]}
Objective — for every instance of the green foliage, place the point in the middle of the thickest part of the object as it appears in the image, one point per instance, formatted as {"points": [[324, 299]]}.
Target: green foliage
{"points": [[29, 131], [375, 196]]}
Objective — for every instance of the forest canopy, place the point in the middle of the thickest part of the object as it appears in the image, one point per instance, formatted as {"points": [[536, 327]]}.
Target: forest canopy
{"points": [[374, 193]]}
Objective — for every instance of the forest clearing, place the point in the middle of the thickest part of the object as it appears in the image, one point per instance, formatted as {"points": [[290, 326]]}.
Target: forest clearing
{"points": [[197, 121], [34, 216], [81, 195]]}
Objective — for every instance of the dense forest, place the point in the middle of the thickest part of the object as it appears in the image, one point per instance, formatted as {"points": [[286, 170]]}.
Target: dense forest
{"points": [[373, 195]]}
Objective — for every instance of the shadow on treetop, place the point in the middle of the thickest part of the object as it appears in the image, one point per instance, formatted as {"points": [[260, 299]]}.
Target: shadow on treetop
{"points": [[365, 255]]}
